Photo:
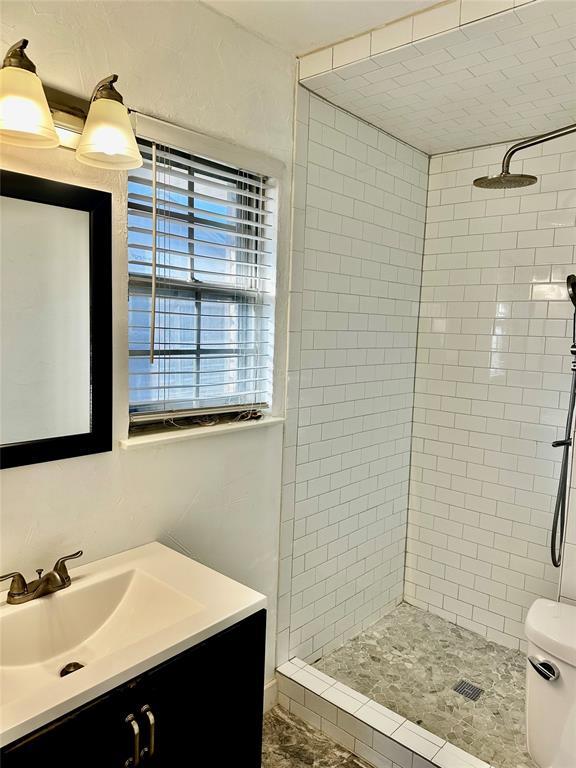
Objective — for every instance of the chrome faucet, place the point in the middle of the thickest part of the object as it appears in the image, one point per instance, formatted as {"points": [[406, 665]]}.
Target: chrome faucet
{"points": [[52, 581]]}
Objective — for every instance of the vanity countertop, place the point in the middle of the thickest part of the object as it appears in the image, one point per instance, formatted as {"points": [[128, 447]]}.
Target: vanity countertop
{"points": [[121, 616]]}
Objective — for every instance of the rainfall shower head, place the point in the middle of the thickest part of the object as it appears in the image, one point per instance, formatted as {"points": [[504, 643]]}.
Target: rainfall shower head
{"points": [[571, 286], [506, 181]]}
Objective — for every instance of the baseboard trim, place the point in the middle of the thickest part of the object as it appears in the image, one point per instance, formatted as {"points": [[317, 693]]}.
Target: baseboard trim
{"points": [[270, 695]]}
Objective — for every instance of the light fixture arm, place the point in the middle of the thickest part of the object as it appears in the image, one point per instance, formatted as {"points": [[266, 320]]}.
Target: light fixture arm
{"points": [[16, 57], [525, 143], [105, 90]]}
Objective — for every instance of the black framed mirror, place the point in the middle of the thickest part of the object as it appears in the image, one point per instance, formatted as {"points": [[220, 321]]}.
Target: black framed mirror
{"points": [[55, 320]]}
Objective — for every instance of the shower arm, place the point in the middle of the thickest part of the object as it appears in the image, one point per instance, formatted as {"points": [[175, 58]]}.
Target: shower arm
{"points": [[525, 143]]}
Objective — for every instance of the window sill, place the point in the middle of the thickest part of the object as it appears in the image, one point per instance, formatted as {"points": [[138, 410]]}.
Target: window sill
{"points": [[160, 438]]}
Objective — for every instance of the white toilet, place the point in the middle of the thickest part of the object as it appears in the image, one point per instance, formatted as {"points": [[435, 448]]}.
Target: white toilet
{"points": [[551, 684]]}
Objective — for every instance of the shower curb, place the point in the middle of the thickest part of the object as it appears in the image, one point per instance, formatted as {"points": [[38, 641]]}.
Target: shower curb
{"points": [[374, 733]]}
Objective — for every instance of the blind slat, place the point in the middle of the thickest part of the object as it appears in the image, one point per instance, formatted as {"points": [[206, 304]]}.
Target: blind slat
{"points": [[173, 157], [228, 398], [193, 269], [208, 182], [201, 386], [196, 241], [220, 346], [223, 202], [194, 256], [206, 352], [213, 227], [144, 416], [215, 370], [174, 313], [233, 294], [174, 207]]}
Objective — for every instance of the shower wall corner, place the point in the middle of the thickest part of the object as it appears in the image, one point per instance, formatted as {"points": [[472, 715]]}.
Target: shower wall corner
{"points": [[358, 214]]}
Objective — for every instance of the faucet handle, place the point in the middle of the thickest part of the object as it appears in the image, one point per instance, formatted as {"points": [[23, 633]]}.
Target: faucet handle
{"points": [[60, 565], [18, 585]]}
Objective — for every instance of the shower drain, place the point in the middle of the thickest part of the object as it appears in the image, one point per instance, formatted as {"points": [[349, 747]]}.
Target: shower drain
{"points": [[468, 690]]}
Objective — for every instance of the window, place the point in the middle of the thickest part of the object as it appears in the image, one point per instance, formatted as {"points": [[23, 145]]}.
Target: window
{"points": [[201, 302]]}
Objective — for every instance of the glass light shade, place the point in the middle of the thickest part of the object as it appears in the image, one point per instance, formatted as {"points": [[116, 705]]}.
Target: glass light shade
{"points": [[25, 118], [108, 139]]}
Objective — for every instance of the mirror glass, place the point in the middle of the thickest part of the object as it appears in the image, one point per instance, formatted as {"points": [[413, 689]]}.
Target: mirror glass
{"points": [[55, 320], [45, 321]]}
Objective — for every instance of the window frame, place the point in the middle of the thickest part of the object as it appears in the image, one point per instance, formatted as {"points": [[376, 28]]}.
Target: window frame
{"points": [[205, 291]]}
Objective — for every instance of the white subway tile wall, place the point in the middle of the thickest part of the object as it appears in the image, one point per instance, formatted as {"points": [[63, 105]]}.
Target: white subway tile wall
{"points": [[492, 385], [359, 211], [568, 574]]}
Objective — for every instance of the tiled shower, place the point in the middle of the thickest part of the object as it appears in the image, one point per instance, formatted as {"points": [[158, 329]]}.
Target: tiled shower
{"points": [[429, 372], [492, 388], [359, 215]]}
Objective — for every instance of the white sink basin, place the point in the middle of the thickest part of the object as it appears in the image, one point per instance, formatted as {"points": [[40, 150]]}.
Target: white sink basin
{"points": [[83, 624], [120, 616]]}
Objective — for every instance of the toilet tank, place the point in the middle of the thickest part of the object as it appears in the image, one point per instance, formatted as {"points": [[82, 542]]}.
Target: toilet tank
{"points": [[551, 703]]}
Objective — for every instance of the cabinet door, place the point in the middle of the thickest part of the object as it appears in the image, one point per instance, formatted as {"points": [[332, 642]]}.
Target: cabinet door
{"points": [[207, 703], [94, 736]]}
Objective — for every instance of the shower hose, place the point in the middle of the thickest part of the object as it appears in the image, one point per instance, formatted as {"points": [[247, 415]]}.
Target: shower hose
{"points": [[559, 520]]}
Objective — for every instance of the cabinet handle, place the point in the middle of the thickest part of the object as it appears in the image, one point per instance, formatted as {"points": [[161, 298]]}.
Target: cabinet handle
{"points": [[152, 723], [132, 762]]}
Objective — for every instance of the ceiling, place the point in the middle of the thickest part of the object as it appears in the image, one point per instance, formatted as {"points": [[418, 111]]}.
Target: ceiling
{"points": [[301, 26], [505, 77]]}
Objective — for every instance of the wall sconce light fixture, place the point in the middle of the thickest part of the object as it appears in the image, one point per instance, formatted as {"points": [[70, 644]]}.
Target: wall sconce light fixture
{"points": [[107, 139], [25, 118]]}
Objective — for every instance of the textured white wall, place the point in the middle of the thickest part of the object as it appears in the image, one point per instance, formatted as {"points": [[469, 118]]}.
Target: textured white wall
{"points": [[359, 208], [215, 498], [178, 61], [492, 386]]}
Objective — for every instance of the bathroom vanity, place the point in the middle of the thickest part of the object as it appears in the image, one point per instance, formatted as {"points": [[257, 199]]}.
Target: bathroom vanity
{"points": [[192, 684]]}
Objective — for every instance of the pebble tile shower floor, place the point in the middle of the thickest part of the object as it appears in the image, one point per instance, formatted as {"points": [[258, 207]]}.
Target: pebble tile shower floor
{"points": [[410, 660]]}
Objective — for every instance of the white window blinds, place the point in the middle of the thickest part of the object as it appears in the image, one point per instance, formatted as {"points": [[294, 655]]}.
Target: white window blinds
{"points": [[201, 287]]}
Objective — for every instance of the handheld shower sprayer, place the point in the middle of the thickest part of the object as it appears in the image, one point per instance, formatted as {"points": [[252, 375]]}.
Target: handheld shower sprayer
{"points": [[559, 519], [571, 287]]}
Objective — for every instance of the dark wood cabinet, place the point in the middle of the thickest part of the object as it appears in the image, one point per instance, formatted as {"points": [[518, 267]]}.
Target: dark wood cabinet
{"points": [[202, 708]]}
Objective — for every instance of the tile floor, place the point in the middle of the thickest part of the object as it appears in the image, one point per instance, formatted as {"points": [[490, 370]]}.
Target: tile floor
{"points": [[290, 743], [409, 662]]}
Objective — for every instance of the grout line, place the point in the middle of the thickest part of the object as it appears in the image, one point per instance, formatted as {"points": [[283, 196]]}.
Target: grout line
{"points": [[417, 345], [290, 309], [287, 353]]}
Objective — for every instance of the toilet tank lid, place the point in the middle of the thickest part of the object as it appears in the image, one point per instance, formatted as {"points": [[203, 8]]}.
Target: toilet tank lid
{"points": [[552, 627]]}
